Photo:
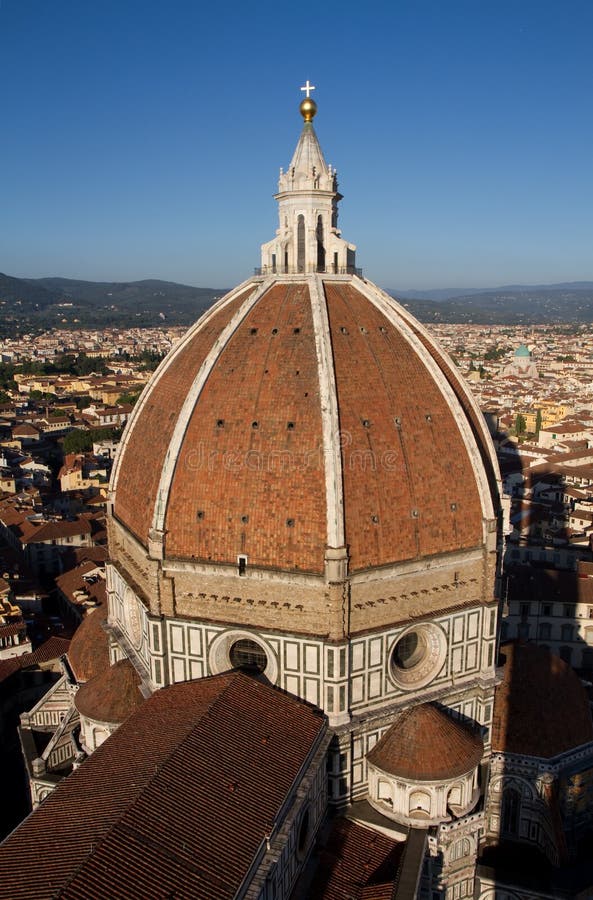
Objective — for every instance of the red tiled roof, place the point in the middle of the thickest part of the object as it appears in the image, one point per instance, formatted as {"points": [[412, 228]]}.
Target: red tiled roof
{"points": [[8, 667], [379, 378], [74, 580], [150, 434], [540, 707], [112, 695], [52, 648], [250, 475], [9, 629], [176, 803], [276, 382], [426, 744], [89, 654], [37, 532], [356, 863]]}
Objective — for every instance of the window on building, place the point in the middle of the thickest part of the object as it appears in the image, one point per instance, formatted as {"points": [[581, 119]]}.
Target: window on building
{"points": [[544, 631], [566, 632], [303, 837], [570, 610], [409, 650], [511, 804], [301, 244], [546, 609], [525, 609], [248, 655]]}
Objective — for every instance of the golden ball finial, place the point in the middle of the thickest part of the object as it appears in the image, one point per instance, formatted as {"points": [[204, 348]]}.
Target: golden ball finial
{"points": [[308, 109]]}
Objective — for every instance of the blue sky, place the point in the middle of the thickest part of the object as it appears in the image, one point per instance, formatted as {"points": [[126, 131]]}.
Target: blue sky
{"points": [[143, 139]]}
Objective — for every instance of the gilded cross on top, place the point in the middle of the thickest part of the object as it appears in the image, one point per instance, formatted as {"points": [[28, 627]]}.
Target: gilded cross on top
{"points": [[308, 88]]}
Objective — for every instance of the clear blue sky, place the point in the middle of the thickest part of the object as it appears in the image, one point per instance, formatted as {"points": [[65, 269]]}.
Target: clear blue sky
{"points": [[143, 139]]}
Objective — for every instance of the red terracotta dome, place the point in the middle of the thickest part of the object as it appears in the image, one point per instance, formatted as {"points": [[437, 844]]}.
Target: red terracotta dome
{"points": [[426, 744], [88, 653], [303, 413], [111, 696], [540, 707]]}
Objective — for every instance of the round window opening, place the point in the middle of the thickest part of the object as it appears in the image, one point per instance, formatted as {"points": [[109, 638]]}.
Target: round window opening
{"points": [[249, 656], [409, 650], [417, 656]]}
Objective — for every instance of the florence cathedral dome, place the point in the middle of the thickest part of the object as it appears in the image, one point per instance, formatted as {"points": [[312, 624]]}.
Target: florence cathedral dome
{"points": [[306, 414], [306, 492]]}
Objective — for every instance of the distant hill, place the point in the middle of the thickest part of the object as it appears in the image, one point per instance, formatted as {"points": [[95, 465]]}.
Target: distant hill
{"points": [[548, 304], [28, 295], [150, 294], [439, 294], [41, 303], [36, 304]]}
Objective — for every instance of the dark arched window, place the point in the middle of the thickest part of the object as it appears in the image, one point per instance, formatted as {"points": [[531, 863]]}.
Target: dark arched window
{"points": [[301, 244], [320, 245], [511, 805]]}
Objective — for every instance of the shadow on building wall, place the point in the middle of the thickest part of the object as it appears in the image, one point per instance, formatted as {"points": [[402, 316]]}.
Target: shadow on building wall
{"points": [[539, 807]]}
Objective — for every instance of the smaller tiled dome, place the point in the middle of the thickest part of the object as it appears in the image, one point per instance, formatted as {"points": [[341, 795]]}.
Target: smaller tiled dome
{"points": [[88, 653], [426, 744], [111, 696], [540, 707]]}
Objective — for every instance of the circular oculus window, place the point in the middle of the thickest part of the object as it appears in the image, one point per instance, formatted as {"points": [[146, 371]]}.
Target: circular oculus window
{"points": [[248, 655], [132, 616], [242, 650], [417, 656]]}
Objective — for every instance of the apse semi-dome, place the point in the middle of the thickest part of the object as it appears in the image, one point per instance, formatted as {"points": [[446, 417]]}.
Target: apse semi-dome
{"points": [[88, 653], [425, 768]]}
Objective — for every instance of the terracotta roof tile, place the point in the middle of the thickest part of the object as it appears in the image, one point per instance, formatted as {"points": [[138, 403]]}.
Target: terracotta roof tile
{"points": [[540, 707], [250, 476], [150, 433], [426, 744], [197, 776], [112, 695], [248, 482], [89, 654], [356, 863], [406, 468], [52, 648]]}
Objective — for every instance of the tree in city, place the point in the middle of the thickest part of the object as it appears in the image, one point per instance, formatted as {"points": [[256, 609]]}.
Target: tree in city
{"points": [[520, 424]]}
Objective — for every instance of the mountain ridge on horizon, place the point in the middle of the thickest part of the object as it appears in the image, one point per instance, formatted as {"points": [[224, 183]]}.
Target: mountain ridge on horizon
{"points": [[42, 303], [450, 293]]}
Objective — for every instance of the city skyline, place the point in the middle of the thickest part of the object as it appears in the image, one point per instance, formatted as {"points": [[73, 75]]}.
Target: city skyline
{"points": [[459, 135]]}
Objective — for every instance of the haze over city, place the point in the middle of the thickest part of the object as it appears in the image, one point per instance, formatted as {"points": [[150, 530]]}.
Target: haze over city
{"points": [[460, 133]]}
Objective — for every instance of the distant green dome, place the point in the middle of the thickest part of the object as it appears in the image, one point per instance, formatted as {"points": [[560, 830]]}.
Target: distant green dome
{"points": [[522, 351]]}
